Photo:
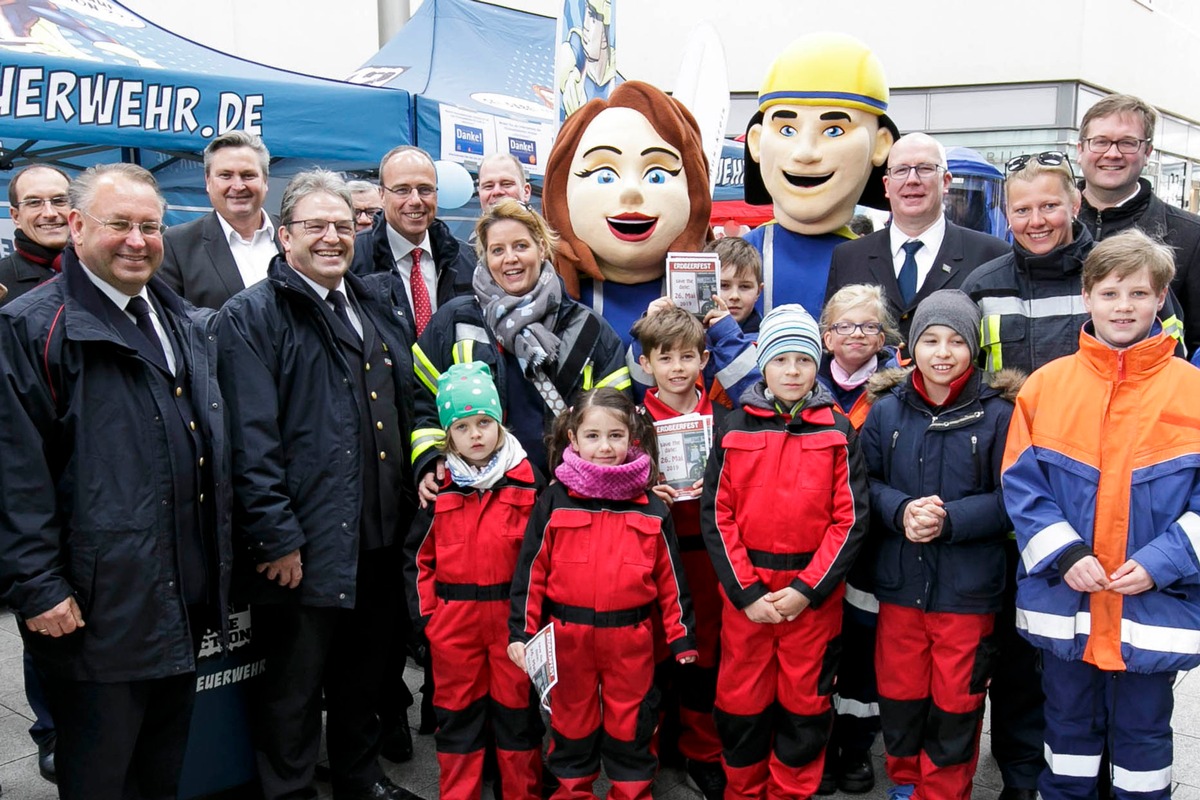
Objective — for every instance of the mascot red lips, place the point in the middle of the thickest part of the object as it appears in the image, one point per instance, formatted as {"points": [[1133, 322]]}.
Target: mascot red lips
{"points": [[632, 227]]}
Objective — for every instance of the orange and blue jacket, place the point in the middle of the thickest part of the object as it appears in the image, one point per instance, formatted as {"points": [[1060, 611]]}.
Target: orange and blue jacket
{"points": [[1103, 458]]}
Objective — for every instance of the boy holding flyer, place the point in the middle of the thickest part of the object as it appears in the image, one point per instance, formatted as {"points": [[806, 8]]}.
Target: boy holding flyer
{"points": [[673, 354]]}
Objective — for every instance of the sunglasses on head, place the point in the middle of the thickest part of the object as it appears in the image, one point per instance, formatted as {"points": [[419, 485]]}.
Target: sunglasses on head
{"points": [[1049, 158]]}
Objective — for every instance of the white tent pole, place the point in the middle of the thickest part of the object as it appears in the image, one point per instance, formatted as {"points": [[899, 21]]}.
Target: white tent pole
{"points": [[392, 16]]}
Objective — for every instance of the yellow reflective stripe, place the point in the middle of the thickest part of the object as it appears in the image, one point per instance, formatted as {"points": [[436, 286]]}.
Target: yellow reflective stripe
{"points": [[617, 379], [424, 369], [1173, 327], [423, 439], [989, 336], [464, 351]]}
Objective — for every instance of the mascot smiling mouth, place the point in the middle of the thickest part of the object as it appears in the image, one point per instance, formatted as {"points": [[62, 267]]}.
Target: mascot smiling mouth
{"points": [[632, 227], [806, 181]]}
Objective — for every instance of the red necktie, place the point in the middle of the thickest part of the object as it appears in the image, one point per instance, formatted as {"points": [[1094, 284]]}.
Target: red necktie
{"points": [[422, 308]]}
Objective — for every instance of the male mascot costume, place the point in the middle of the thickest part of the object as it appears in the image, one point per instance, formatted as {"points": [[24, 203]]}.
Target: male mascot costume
{"points": [[820, 138]]}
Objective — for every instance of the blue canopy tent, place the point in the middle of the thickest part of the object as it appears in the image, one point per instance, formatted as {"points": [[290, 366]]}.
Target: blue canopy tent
{"points": [[84, 83], [976, 196], [481, 78]]}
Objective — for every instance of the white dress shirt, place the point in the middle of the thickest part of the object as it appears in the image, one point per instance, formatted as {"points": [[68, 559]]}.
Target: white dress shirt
{"points": [[931, 242], [252, 255], [121, 300], [402, 257]]}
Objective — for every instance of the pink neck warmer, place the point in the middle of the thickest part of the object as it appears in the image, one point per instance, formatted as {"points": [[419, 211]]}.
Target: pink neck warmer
{"points": [[606, 482], [852, 380]]}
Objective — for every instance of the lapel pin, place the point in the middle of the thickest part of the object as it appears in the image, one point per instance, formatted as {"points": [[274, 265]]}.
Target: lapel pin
{"points": [[945, 267]]}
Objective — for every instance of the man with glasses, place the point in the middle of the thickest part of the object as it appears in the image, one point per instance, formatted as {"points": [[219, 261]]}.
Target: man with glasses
{"points": [[209, 260], [411, 243], [114, 493], [920, 251], [318, 374], [367, 203], [1114, 146], [37, 201]]}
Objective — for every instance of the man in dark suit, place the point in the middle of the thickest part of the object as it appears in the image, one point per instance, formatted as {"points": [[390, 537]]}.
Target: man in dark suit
{"points": [[37, 200], [408, 234], [115, 496], [319, 379], [209, 260], [920, 251]]}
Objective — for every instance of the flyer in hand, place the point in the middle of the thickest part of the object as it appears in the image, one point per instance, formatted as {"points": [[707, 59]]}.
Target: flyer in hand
{"points": [[542, 664], [683, 445], [692, 280]]}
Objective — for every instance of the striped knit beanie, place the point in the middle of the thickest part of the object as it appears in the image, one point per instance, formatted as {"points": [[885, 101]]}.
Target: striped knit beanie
{"points": [[788, 329]]}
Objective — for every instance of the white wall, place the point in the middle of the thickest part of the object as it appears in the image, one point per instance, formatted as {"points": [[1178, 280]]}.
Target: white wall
{"points": [[1117, 44]]}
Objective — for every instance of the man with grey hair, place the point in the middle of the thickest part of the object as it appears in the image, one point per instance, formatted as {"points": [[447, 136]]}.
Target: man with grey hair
{"points": [[318, 376], [209, 260], [919, 251], [367, 199], [408, 241], [502, 175], [114, 492]]}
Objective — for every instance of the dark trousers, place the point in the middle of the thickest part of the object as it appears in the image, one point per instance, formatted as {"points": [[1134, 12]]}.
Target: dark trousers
{"points": [[1088, 712], [340, 651], [1016, 694], [42, 729], [123, 741]]}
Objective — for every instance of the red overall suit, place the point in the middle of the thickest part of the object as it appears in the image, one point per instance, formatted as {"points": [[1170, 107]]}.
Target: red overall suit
{"points": [[459, 568], [784, 504], [599, 569], [696, 684]]}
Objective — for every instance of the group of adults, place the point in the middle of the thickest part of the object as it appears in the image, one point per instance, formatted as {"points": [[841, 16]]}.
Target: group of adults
{"points": [[225, 409], [235, 405]]}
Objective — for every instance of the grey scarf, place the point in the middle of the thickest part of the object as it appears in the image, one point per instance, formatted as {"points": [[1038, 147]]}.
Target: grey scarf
{"points": [[522, 324]]}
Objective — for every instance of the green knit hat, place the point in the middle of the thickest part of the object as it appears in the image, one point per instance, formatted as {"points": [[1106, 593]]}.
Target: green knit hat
{"points": [[465, 390]]}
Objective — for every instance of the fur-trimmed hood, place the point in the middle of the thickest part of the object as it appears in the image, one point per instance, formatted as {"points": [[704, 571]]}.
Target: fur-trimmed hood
{"points": [[1007, 382]]}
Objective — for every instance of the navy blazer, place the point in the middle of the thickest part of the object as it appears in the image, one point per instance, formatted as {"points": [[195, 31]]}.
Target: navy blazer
{"points": [[869, 260]]}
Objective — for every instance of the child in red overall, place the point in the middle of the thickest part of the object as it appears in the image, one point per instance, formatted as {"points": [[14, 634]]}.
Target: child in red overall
{"points": [[599, 559], [784, 512], [673, 355], [461, 553]]}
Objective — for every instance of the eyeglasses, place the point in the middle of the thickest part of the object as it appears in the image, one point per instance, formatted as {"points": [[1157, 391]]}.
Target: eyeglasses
{"points": [[122, 227], [847, 328], [370, 212], [318, 227], [1101, 144], [36, 203], [424, 191], [1049, 158], [900, 172]]}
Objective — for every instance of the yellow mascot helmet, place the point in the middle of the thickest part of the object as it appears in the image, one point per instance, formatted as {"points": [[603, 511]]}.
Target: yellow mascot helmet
{"points": [[824, 69]]}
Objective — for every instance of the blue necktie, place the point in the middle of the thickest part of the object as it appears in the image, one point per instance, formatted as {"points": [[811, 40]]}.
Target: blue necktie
{"points": [[908, 271]]}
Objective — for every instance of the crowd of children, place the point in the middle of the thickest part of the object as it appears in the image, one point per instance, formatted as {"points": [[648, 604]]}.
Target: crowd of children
{"points": [[844, 550]]}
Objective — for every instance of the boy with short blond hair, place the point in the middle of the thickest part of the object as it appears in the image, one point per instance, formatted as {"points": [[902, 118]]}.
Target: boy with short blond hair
{"points": [[672, 342], [1102, 483]]}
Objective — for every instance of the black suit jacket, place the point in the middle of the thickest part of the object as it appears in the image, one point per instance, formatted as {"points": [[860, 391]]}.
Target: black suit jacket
{"points": [[869, 260], [198, 264]]}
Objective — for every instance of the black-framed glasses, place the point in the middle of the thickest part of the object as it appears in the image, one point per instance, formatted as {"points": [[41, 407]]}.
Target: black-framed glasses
{"points": [[318, 227], [1048, 158], [122, 227], [847, 328], [1101, 144], [36, 203], [370, 211], [924, 171], [424, 191]]}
